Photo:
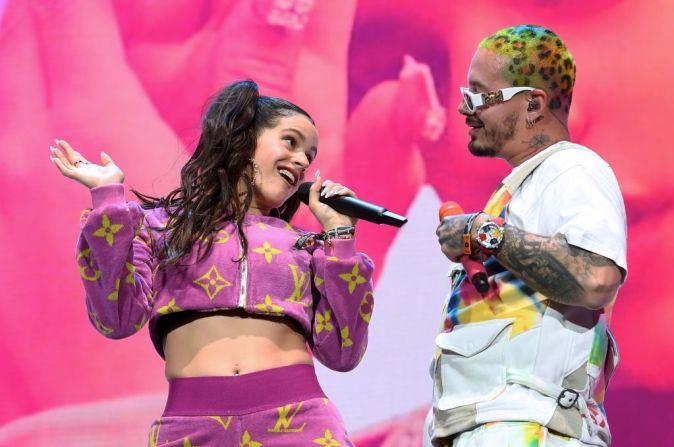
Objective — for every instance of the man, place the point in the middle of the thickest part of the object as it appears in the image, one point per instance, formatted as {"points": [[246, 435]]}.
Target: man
{"points": [[526, 362]]}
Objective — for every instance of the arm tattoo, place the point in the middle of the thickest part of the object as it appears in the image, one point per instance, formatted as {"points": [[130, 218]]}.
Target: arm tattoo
{"points": [[589, 257], [549, 264], [538, 141], [447, 234]]}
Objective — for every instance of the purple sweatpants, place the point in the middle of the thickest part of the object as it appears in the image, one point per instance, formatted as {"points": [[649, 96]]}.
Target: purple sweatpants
{"points": [[272, 408]]}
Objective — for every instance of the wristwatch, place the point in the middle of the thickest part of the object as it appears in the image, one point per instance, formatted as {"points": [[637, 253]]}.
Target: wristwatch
{"points": [[490, 235]]}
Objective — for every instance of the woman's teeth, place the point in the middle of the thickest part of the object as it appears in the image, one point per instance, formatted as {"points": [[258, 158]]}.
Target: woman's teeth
{"points": [[290, 178]]}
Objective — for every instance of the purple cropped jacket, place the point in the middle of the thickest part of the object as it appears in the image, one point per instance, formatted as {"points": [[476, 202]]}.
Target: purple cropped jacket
{"points": [[326, 288]]}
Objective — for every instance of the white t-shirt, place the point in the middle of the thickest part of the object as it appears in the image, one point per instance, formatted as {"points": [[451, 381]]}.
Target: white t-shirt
{"points": [[574, 192], [508, 359]]}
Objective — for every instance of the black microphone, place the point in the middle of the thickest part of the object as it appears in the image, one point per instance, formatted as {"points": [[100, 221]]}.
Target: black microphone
{"points": [[355, 207]]}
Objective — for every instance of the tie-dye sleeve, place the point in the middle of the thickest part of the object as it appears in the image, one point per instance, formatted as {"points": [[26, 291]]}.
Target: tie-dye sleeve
{"points": [[343, 279], [114, 256]]}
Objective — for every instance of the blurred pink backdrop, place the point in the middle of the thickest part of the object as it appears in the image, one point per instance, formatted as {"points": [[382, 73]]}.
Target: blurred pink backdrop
{"points": [[131, 78]]}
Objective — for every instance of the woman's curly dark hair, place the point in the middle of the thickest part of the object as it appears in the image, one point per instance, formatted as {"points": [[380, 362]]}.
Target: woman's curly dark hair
{"points": [[210, 182]]}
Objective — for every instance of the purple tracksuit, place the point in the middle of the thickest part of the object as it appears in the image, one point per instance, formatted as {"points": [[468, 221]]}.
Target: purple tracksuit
{"points": [[326, 289]]}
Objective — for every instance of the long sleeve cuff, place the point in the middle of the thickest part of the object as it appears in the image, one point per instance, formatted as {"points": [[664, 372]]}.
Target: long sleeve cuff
{"points": [[112, 194], [341, 248]]}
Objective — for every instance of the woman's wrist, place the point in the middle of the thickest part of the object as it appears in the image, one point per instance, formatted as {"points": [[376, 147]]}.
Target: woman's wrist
{"points": [[328, 237], [340, 248], [109, 194], [327, 226], [342, 232]]}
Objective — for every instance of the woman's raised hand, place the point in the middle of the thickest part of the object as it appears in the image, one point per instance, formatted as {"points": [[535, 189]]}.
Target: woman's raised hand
{"points": [[73, 165], [328, 217]]}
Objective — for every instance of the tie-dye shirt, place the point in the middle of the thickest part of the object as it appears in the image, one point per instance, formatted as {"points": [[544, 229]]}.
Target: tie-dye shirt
{"points": [[327, 288]]}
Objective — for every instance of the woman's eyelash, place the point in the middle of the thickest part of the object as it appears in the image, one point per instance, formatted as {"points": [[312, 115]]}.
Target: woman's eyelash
{"points": [[293, 143]]}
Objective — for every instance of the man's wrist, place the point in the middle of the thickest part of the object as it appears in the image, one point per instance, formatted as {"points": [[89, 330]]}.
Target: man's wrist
{"points": [[469, 247]]}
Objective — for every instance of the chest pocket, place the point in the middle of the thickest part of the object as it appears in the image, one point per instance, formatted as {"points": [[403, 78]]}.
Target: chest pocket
{"points": [[471, 367]]}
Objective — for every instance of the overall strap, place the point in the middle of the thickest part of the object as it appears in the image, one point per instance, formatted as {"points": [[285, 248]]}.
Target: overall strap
{"points": [[505, 190]]}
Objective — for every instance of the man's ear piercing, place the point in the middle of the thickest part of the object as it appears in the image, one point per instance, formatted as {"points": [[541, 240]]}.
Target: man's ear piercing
{"points": [[533, 105]]}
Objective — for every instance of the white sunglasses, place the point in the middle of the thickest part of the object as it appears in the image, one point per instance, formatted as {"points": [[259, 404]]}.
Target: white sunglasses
{"points": [[474, 100]]}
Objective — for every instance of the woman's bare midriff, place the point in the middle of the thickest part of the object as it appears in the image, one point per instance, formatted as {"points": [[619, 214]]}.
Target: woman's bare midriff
{"points": [[229, 343]]}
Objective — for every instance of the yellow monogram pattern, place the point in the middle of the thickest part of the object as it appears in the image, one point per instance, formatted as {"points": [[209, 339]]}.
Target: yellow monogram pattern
{"points": [[131, 269], [225, 424], [88, 266], [354, 278], [212, 282], [269, 307], [323, 321], [300, 286], [114, 295], [140, 324], [221, 237], [268, 251], [247, 441], [346, 341], [154, 434], [366, 306], [108, 230], [170, 307], [99, 326], [285, 418], [327, 440]]}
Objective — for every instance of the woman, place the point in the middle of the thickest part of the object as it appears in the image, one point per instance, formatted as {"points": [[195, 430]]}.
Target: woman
{"points": [[232, 292]]}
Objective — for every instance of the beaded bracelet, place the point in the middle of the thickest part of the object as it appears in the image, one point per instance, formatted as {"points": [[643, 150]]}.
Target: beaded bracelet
{"points": [[340, 233], [327, 236]]}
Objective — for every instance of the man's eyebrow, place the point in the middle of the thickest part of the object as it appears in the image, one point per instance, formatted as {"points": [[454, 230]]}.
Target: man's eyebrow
{"points": [[478, 84]]}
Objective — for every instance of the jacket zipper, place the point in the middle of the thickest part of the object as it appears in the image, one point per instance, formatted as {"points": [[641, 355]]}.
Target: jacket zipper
{"points": [[244, 278]]}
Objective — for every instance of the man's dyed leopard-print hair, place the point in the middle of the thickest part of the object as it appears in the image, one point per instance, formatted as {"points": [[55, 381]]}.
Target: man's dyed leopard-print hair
{"points": [[537, 57]]}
